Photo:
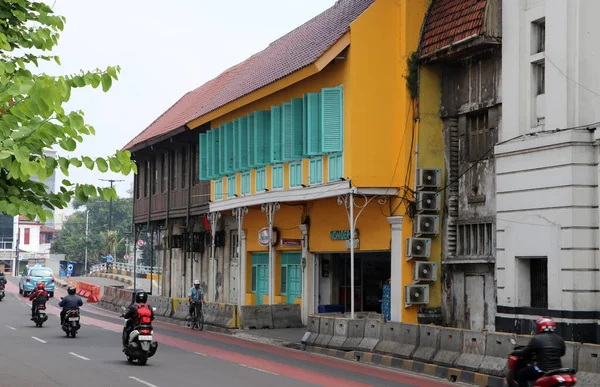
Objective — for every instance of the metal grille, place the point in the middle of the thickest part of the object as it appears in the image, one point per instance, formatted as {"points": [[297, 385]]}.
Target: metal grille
{"points": [[539, 282], [475, 240]]}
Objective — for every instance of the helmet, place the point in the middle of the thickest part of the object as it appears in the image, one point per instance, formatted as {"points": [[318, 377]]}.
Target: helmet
{"points": [[71, 290], [545, 324], [141, 297], [40, 286], [196, 282]]}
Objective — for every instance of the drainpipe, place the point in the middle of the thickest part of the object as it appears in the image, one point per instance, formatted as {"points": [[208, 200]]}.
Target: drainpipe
{"points": [[305, 272]]}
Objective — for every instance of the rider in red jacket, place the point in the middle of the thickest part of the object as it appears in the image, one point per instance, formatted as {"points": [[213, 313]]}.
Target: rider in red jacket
{"points": [[39, 297]]}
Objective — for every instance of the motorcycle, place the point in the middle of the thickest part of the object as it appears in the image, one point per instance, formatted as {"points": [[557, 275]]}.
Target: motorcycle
{"points": [[39, 315], [140, 346], [70, 324], [516, 362], [1, 292]]}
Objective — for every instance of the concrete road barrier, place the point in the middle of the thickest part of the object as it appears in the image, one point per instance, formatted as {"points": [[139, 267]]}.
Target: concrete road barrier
{"points": [[429, 336], [286, 316], [312, 330], [226, 316], [340, 333], [588, 370], [372, 335], [450, 348], [326, 331], [256, 317], [356, 333], [398, 339], [497, 348], [473, 351]]}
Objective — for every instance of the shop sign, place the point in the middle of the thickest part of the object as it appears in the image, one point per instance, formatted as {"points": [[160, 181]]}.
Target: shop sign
{"points": [[291, 242], [263, 237], [342, 235]]}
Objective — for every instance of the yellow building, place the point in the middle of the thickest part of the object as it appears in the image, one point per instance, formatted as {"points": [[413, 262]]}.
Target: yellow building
{"points": [[318, 133]]}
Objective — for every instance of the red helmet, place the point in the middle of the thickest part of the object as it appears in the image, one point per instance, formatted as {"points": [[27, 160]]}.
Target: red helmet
{"points": [[40, 286], [545, 324]]}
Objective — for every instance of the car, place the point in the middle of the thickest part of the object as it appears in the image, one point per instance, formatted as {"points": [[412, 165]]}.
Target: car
{"points": [[32, 276]]}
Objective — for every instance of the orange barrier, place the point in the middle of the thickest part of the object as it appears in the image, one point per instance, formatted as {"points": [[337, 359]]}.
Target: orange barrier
{"points": [[91, 292]]}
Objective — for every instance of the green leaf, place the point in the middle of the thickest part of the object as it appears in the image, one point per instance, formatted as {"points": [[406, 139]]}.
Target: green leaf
{"points": [[96, 80], [79, 81], [76, 162], [57, 60], [68, 144], [106, 82], [89, 163], [102, 165], [4, 154], [67, 183], [115, 165]]}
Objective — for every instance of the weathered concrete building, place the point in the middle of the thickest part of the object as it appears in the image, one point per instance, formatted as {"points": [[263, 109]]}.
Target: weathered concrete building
{"points": [[461, 42]]}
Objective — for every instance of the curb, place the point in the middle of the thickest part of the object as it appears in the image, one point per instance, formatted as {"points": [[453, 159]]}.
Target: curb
{"points": [[112, 277], [450, 374]]}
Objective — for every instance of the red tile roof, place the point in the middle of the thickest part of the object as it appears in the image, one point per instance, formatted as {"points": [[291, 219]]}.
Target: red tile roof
{"points": [[449, 21], [290, 53]]}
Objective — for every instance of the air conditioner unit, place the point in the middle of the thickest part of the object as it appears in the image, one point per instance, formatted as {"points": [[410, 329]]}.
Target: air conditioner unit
{"points": [[428, 201], [427, 224], [418, 248], [425, 272], [429, 178], [416, 295]]}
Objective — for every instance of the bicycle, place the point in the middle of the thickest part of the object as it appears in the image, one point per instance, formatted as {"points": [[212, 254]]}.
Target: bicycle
{"points": [[197, 320]]}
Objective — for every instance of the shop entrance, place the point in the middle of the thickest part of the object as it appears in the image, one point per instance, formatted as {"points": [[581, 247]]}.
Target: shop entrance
{"points": [[371, 272], [260, 276], [291, 276]]}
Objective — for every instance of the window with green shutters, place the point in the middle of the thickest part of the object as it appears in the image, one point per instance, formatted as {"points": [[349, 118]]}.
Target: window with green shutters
{"points": [[315, 170], [222, 155], [276, 134], [250, 142], [296, 174], [236, 146], [332, 119], [231, 186], [202, 157], [229, 136], [277, 176], [246, 183], [261, 179], [312, 109], [209, 155], [219, 189], [242, 140], [297, 130], [262, 138], [336, 166], [286, 133]]}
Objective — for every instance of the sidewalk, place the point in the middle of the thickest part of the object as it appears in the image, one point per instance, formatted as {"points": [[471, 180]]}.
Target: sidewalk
{"points": [[141, 283], [289, 337]]}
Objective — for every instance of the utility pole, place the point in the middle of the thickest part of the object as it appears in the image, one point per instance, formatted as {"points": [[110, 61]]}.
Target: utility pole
{"points": [[87, 212], [110, 209]]}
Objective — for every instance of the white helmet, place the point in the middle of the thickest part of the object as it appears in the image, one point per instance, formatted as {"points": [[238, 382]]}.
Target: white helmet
{"points": [[197, 282]]}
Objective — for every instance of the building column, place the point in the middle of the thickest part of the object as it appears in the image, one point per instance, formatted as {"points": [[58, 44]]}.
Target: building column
{"points": [[242, 259], [305, 274], [213, 218], [396, 270]]}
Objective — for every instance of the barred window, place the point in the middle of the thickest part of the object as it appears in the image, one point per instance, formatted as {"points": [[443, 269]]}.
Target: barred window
{"points": [[475, 240]]}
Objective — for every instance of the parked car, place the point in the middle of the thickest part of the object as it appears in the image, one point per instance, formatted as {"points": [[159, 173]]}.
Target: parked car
{"points": [[32, 276]]}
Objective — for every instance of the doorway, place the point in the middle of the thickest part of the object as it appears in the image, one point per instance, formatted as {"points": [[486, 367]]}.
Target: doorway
{"points": [[260, 276], [291, 276]]}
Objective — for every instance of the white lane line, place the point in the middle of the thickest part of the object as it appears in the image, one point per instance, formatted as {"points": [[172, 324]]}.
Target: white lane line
{"points": [[79, 356], [142, 381], [40, 340], [14, 329], [258, 369], [200, 353]]}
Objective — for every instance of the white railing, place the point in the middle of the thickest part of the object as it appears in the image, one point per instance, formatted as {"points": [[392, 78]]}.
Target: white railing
{"points": [[126, 266]]}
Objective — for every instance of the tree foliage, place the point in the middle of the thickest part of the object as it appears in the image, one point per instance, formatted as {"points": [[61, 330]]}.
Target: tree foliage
{"points": [[33, 118]]}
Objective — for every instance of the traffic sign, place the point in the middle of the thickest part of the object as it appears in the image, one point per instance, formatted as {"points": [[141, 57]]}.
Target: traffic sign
{"points": [[70, 269], [140, 243], [126, 257]]}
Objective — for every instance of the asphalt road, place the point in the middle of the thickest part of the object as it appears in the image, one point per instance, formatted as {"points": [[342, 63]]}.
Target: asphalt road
{"points": [[31, 356]]}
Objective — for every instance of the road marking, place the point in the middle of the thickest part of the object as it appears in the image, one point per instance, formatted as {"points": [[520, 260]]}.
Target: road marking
{"points": [[79, 356], [258, 369], [200, 353], [40, 340], [14, 329], [142, 381]]}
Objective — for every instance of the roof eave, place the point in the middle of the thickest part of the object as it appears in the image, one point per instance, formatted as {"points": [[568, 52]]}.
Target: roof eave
{"points": [[278, 85], [461, 48]]}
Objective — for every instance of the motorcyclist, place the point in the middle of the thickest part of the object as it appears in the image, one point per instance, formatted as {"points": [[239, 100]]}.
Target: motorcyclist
{"points": [[2, 279], [39, 297], [132, 314], [70, 302], [195, 294], [546, 348]]}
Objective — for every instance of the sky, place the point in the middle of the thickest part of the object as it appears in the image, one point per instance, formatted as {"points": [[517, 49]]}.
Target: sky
{"points": [[165, 49]]}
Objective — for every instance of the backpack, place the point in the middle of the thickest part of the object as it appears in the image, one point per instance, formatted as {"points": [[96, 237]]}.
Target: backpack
{"points": [[144, 314]]}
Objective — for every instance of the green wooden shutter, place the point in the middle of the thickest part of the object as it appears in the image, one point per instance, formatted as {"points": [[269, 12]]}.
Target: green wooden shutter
{"points": [[250, 142], [286, 122], [297, 132], [332, 119], [276, 140], [243, 144], [202, 157], [210, 154], [262, 137], [235, 146], [336, 166], [229, 147], [316, 170], [313, 123], [221, 131]]}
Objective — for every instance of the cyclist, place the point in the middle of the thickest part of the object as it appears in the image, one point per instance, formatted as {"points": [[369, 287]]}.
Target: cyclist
{"points": [[196, 295]]}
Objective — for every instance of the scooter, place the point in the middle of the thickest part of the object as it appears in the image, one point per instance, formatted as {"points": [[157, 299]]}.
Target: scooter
{"points": [[555, 378], [71, 323], [140, 346], [39, 315], [1, 292]]}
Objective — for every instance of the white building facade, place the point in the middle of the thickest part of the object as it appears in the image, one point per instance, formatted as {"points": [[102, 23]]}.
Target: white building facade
{"points": [[547, 235]]}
